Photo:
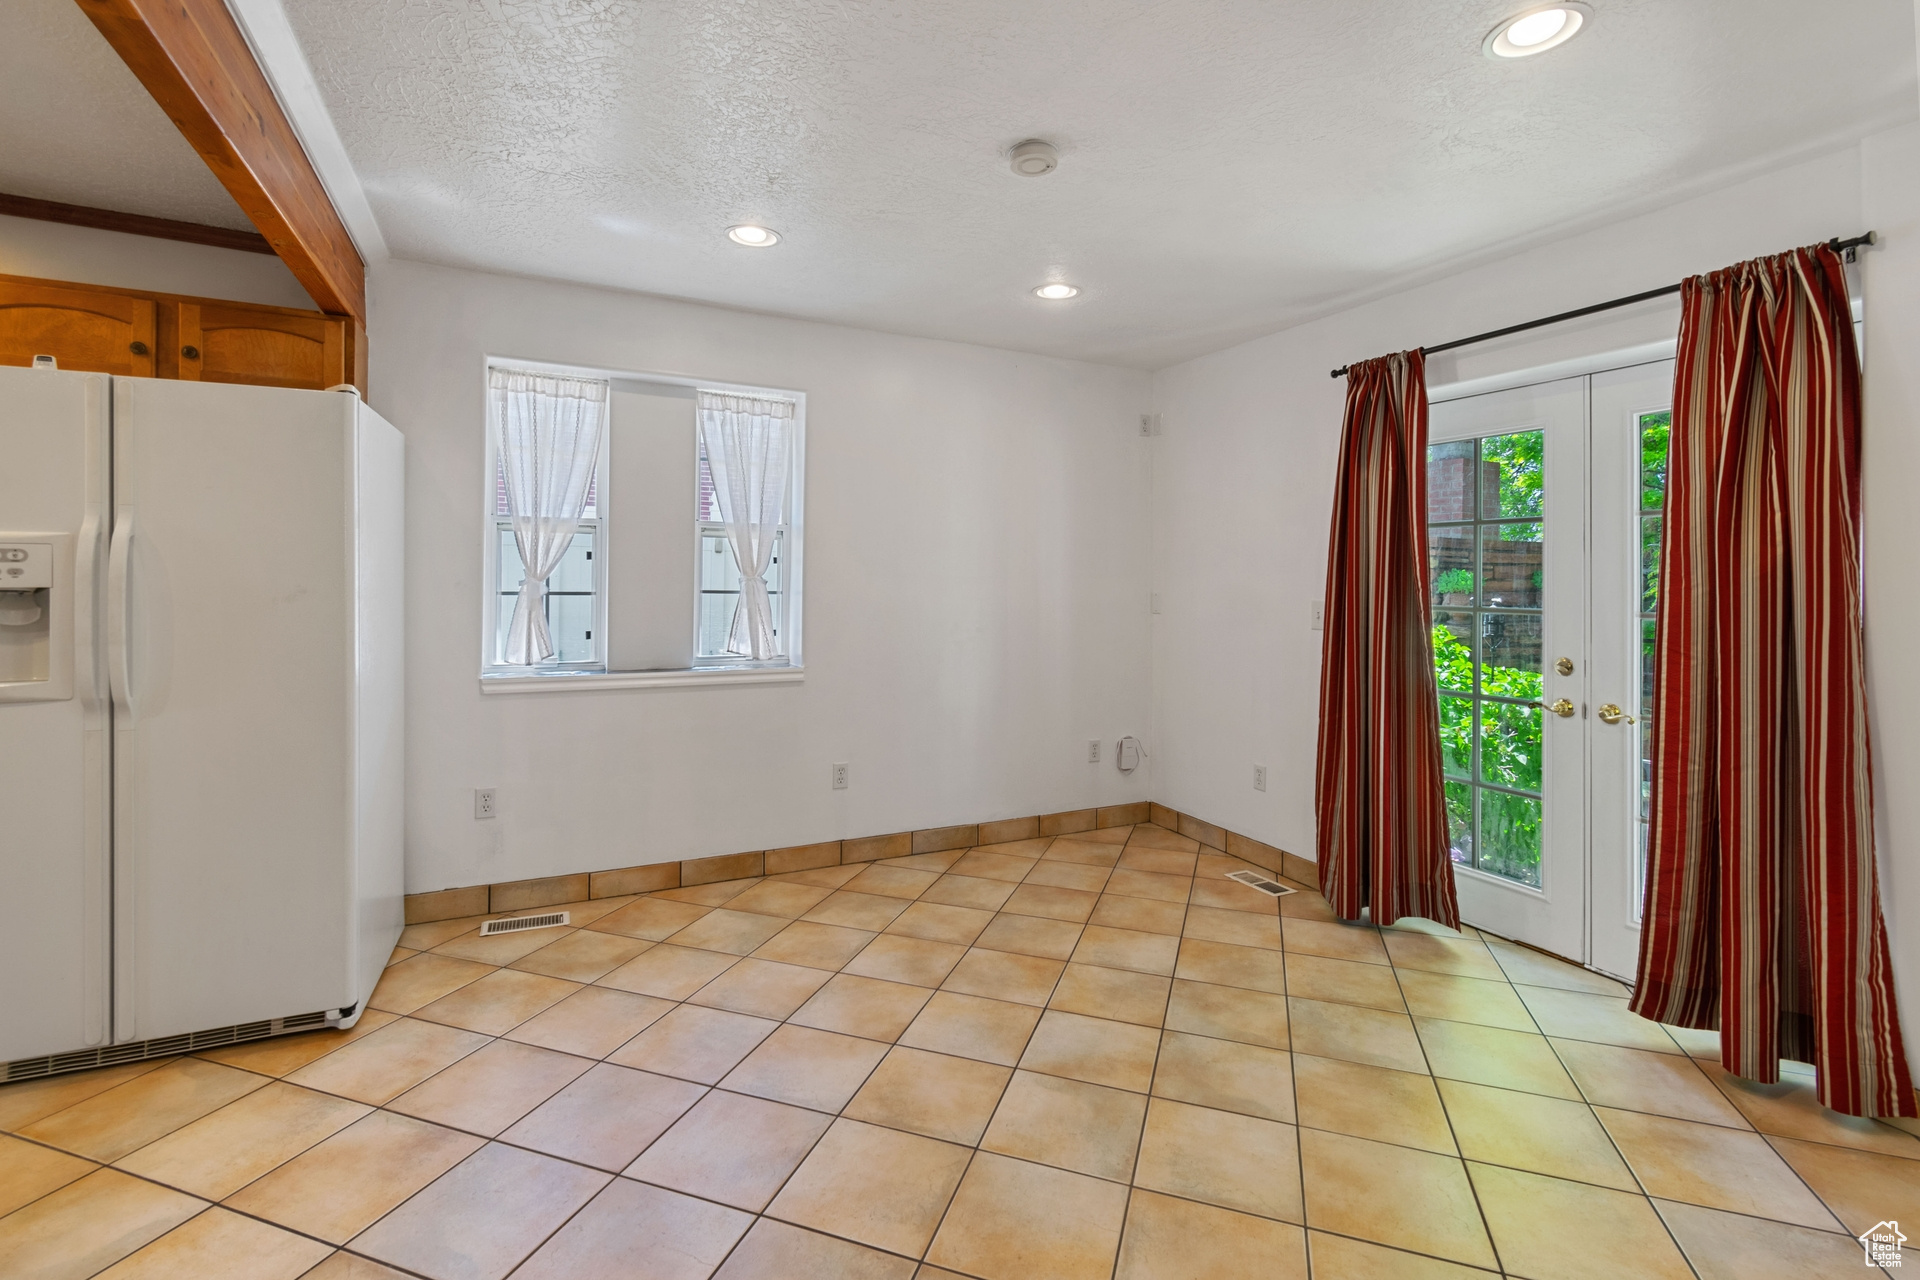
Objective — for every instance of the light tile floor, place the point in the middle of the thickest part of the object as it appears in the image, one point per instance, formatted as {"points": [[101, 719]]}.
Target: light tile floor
{"points": [[1091, 1056]]}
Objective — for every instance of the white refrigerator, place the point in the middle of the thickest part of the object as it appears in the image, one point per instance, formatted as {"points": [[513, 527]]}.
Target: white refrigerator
{"points": [[200, 714]]}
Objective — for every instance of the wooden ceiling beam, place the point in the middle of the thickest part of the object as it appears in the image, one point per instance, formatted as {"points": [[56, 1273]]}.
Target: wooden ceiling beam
{"points": [[133, 224], [193, 59]]}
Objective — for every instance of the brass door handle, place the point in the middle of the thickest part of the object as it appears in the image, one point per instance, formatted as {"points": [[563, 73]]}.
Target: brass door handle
{"points": [[1563, 708], [1612, 714]]}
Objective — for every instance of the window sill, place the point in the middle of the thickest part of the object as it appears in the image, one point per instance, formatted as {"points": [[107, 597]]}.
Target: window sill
{"points": [[698, 677]]}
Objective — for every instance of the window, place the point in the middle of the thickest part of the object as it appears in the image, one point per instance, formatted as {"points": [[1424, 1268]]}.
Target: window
{"points": [[717, 582], [575, 599], [649, 588]]}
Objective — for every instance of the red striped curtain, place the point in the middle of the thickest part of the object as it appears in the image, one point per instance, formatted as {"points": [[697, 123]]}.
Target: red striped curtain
{"points": [[1762, 913], [1378, 796]]}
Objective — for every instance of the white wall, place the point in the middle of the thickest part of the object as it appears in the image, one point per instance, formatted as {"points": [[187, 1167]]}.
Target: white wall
{"points": [[84, 255], [1243, 481], [976, 592], [1890, 196]]}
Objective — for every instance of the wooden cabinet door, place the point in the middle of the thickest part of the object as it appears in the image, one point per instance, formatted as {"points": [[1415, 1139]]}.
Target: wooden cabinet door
{"points": [[94, 331], [264, 346]]}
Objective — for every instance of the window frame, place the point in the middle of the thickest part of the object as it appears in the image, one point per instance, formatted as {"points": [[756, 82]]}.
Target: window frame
{"points": [[496, 677]]}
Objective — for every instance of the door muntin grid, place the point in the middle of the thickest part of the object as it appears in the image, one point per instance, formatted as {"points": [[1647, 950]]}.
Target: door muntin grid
{"points": [[1486, 536]]}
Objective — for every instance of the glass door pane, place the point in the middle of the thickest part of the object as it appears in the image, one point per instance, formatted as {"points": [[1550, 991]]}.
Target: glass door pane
{"points": [[1488, 581]]}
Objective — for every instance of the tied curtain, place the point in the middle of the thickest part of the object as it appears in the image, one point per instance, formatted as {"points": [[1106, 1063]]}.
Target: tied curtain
{"points": [[1762, 913], [550, 429], [1378, 795], [748, 441]]}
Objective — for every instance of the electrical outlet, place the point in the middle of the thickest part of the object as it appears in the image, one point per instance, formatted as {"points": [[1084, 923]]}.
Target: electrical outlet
{"points": [[1316, 617], [1093, 751], [840, 777], [483, 803], [1259, 777]]}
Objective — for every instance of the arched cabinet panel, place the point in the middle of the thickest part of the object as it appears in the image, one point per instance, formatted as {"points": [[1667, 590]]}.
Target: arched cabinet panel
{"points": [[91, 330]]}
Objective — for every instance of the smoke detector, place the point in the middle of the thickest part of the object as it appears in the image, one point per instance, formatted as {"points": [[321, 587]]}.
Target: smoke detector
{"points": [[1033, 158]]}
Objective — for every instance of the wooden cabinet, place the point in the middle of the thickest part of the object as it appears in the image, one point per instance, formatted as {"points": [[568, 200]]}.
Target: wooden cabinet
{"points": [[228, 342], [129, 332], [90, 329]]}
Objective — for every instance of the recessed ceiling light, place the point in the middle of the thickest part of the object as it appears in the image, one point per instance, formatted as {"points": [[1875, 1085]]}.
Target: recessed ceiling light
{"points": [[1536, 30], [753, 237], [1055, 292]]}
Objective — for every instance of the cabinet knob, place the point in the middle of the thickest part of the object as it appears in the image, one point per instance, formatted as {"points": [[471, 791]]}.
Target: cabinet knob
{"points": [[138, 348], [191, 353]]}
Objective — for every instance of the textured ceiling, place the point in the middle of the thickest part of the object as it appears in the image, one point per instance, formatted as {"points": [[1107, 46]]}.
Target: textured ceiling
{"points": [[1227, 166], [76, 126]]}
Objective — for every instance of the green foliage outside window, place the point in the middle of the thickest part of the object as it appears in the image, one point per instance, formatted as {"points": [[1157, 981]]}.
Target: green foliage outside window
{"points": [[1454, 582], [1511, 754], [1655, 434], [1522, 459]]}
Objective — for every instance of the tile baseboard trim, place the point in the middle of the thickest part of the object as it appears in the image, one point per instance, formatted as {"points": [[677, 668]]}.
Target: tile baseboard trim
{"points": [[545, 891]]}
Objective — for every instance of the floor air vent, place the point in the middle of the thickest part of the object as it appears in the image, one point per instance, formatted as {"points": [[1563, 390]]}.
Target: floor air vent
{"points": [[1260, 882], [140, 1050], [516, 924]]}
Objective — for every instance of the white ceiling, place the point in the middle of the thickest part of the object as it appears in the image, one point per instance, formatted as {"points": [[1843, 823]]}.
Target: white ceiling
{"points": [[75, 125], [1227, 166]]}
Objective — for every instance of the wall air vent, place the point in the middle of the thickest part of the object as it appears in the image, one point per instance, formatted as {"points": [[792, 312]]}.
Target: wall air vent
{"points": [[141, 1050], [1260, 882], [517, 924]]}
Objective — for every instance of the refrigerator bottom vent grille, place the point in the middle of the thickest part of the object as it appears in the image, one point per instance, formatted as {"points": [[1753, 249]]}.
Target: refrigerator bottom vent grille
{"points": [[514, 924], [140, 1050], [1258, 881]]}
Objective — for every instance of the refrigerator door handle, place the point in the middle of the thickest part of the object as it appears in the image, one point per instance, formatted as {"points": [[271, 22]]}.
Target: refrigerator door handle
{"points": [[119, 660], [86, 618]]}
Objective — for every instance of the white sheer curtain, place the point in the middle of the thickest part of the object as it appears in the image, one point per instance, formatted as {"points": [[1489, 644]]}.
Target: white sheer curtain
{"points": [[749, 444], [550, 429]]}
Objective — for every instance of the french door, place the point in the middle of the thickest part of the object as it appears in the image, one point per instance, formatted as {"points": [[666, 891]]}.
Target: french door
{"points": [[1544, 526]]}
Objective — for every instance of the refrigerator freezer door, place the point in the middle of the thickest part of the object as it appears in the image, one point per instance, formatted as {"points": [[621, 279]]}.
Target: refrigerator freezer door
{"points": [[233, 778], [379, 743], [53, 737]]}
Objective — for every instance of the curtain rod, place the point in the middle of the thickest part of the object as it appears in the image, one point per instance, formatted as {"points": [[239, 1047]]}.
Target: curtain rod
{"points": [[1846, 247]]}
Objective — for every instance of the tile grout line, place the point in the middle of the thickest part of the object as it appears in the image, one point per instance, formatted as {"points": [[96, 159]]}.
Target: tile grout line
{"points": [[485, 1137], [1507, 978], [761, 1214], [719, 1087], [492, 1139], [1459, 1151], [206, 1205], [973, 1150], [1015, 1069], [1761, 1134], [1160, 1043], [1293, 1083], [1587, 1102]]}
